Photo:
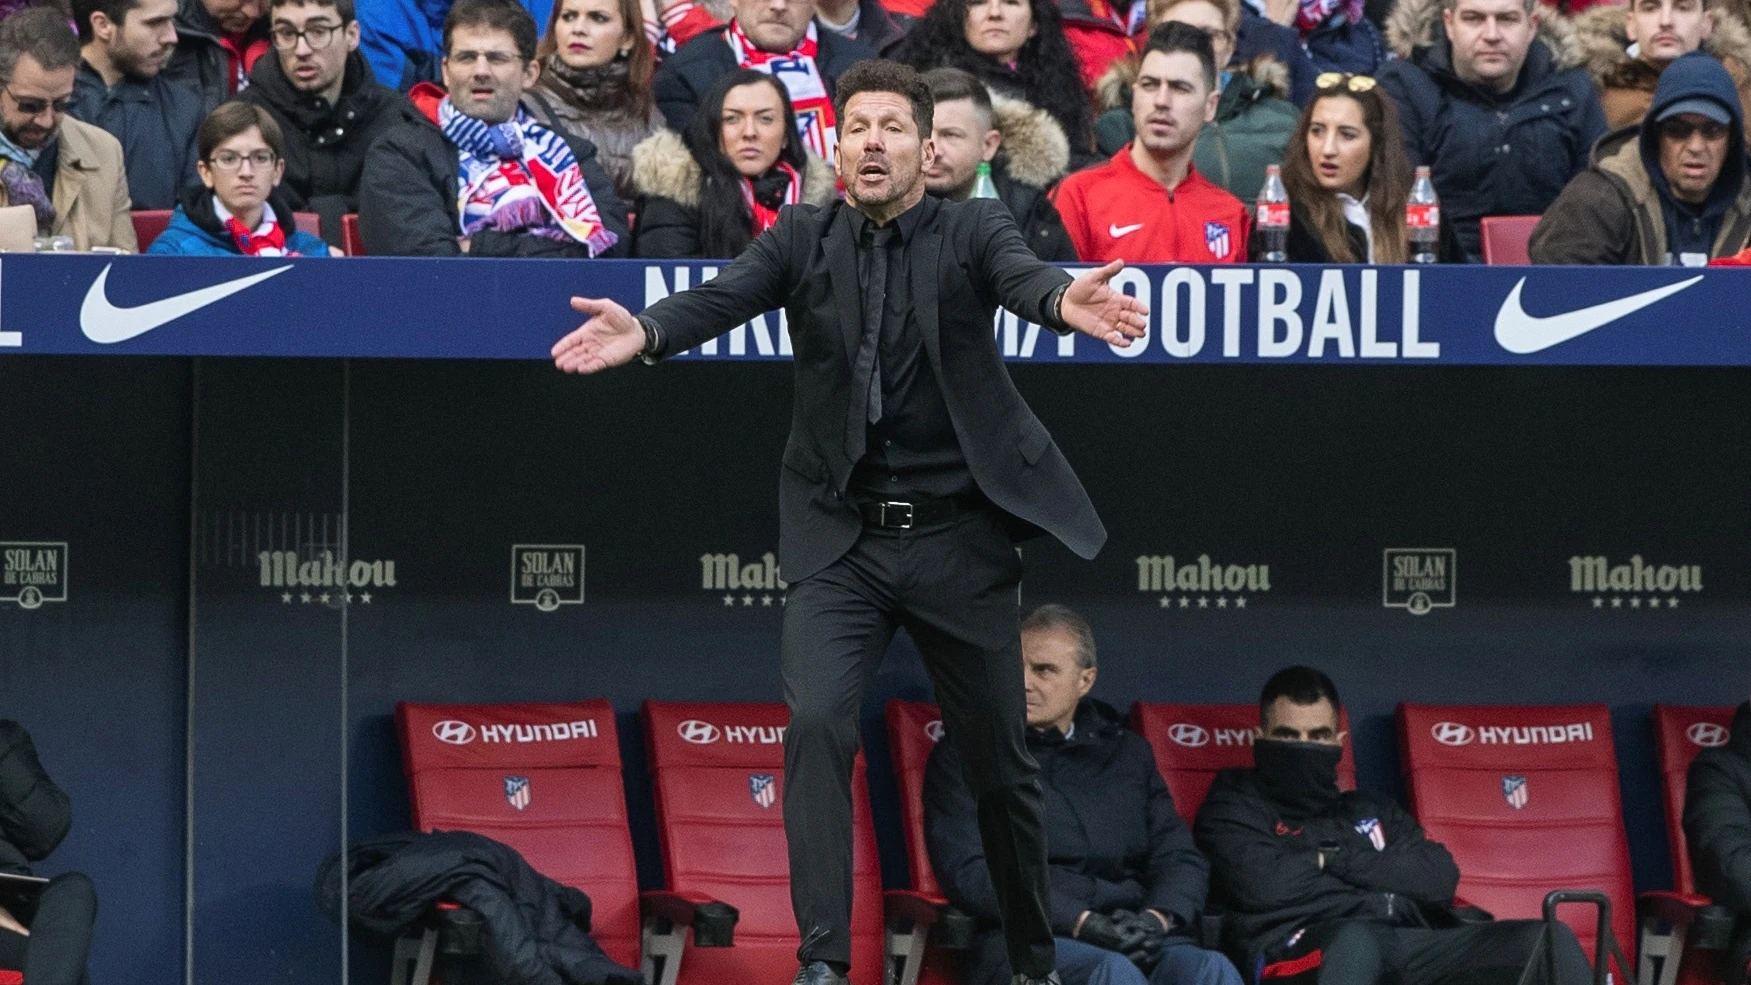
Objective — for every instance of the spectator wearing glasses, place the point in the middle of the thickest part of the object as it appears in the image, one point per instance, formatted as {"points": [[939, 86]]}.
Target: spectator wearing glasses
{"points": [[1670, 192], [596, 68], [328, 105], [467, 171], [710, 191], [239, 209], [1253, 119], [217, 44], [1349, 180], [1491, 96], [120, 87], [1627, 47], [1149, 204], [70, 172]]}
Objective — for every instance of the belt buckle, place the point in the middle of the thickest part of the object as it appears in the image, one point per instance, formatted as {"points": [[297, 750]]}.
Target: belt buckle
{"points": [[904, 524]]}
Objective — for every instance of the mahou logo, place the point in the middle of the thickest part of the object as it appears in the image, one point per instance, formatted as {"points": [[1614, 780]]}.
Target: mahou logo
{"points": [[1633, 584], [1200, 583], [754, 583]]}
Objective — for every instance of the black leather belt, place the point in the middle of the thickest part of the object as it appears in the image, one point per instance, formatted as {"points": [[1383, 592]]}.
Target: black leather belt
{"points": [[894, 515]]}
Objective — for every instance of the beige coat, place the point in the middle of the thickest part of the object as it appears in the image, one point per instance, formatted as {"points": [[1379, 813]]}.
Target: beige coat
{"points": [[91, 189]]}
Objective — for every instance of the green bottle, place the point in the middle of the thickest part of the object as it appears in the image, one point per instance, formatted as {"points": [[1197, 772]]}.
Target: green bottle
{"points": [[983, 187]]}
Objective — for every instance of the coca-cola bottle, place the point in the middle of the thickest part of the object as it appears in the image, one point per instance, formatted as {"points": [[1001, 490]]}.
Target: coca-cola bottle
{"points": [[1272, 217], [1422, 219]]}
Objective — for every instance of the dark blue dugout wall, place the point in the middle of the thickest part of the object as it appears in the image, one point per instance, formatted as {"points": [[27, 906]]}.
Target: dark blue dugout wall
{"points": [[424, 477]]}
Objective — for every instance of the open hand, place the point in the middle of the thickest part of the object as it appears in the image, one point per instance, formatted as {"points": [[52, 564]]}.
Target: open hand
{"points": [[1093, 308], [612, 337]]}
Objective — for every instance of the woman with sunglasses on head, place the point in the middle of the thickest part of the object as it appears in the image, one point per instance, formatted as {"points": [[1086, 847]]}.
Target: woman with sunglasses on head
{"points": [[238, 209], [1349, 180]]}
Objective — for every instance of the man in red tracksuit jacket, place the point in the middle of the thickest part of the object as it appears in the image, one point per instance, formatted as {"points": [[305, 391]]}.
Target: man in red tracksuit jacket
{"points": [[1149, 204]]}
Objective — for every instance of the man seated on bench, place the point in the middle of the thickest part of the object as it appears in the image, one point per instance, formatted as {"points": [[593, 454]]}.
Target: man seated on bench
{"points": [[1127, 884], [1343, 888], [44, 933], [1717, 826]]}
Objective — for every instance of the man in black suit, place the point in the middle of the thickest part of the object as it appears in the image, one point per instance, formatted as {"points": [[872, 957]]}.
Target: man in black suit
{"points": [[912, 464]]}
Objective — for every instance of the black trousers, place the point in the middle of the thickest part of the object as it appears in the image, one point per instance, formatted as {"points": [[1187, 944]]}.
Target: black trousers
{"points": [[60, 934], [953, 588], [1360, 952]]}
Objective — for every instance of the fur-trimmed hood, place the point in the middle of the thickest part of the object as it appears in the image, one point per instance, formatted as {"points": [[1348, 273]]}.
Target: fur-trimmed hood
{"points": [[1604, 45], [662, 165], [1035, 151], [1113, 90], [1414, 24]]}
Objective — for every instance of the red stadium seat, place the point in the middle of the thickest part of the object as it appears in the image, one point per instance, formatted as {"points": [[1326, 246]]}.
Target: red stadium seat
{"points": [[352, 243], [914, 729], [1671, 920], [1505, 238], [150, 223], [1192, 743], [1526, 799], [717, 772], [11, 978], [544, 779]]}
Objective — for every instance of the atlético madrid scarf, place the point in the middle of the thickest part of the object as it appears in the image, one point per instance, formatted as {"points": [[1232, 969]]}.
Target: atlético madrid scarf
{"points": [[520, 176], [802, 79]]}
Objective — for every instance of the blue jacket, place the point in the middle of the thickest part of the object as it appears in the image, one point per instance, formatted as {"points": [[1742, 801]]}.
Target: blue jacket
{"points": [[194, 230], [403, 39], [1507, 154]]}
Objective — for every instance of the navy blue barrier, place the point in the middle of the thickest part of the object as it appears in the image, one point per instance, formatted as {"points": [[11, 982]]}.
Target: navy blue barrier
{"points": [[516, 309]]}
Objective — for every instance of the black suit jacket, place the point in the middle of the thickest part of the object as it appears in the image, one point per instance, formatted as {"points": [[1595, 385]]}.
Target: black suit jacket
{"points": [[967, 258]]}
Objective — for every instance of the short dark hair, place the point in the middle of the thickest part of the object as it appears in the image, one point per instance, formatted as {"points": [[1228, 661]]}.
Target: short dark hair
{"points": [[231, 119], [115, 10], [877, 75], [501, 15], [1171, 37], [950, 84], [342, 8], [1302, 686], [1065, 620], [43, 34]]}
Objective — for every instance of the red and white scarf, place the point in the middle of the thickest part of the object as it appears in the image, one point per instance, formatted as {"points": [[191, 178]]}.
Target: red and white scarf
{"points": [[763, 216], [267, 239], [802, 78]]}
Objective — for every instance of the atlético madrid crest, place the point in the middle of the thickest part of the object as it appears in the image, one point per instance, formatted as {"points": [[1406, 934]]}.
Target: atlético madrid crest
{"points": [[517, 792], [763, 787], [1217, 239], [1514, 791]]}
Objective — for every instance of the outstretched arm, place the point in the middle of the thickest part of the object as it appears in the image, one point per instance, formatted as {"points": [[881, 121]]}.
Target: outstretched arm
{"points": [[1039, 293], [757, 282]]}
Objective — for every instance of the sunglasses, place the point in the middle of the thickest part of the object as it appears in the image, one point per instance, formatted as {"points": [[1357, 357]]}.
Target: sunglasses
{"points": [[35, 107], [1334, 80], [1682, 130]]}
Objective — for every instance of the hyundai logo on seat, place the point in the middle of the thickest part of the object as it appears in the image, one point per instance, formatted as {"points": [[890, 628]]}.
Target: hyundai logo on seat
{"points": [[1707, 734], [1452, 733], [697, 732], [1187, 734], [453, 732]]}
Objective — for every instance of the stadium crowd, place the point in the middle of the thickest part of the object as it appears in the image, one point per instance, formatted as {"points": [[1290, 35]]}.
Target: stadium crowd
{"points": [[1144, 131]]}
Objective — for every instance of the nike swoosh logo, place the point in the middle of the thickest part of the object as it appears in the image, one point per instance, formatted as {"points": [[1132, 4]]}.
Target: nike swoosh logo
{"points": [[106, 324], [1116, 230], [1523, 334]]}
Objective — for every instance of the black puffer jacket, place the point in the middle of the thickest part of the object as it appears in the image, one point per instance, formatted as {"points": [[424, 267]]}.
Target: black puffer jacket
{"points": [[35, 815], [1113, 840], [1508, 154], [1265, 866], [1717, 818], [537, 931], [325, 143], [200, 62]]}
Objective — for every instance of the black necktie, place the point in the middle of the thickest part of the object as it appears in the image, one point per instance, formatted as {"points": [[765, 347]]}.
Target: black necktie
{"points": [[866, 374]]}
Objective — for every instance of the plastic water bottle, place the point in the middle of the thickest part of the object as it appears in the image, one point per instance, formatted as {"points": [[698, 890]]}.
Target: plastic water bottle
{"points": [[1273, 216], [983, 186], [1422, 219]]}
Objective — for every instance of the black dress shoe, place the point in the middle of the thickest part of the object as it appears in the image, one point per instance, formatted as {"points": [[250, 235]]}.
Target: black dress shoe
{"points": [[1051, 979], [819, 973]]}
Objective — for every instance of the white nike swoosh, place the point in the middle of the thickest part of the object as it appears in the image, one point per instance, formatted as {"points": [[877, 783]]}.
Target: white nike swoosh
{"points": [[1523, 334], [1115, 230], [106, 324]]}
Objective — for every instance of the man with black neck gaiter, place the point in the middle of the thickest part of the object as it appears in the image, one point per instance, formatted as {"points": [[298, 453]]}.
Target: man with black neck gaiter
{"points": [[1331, 887]]}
